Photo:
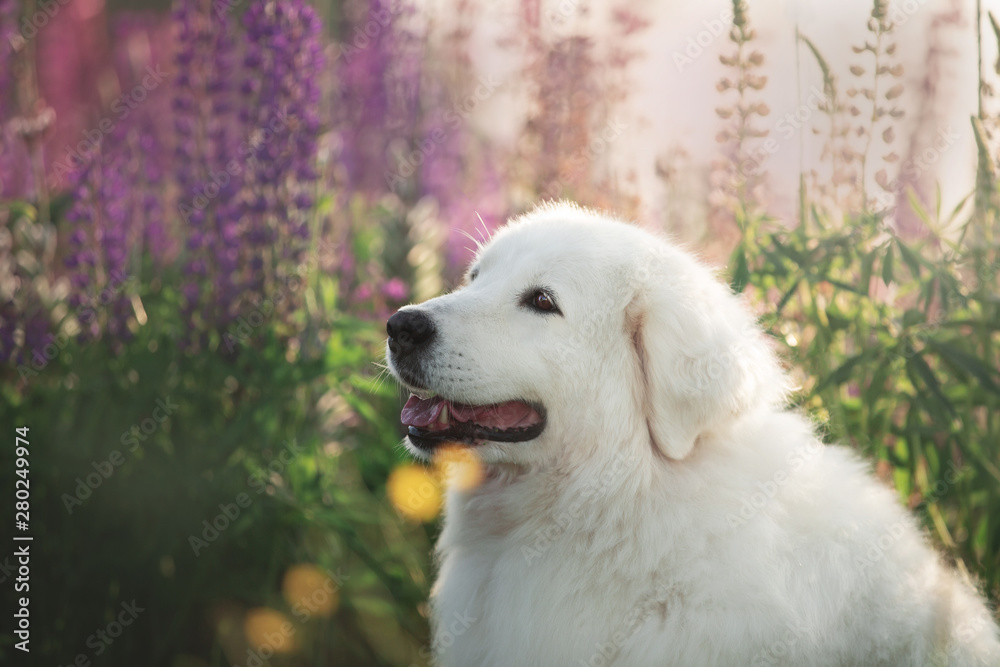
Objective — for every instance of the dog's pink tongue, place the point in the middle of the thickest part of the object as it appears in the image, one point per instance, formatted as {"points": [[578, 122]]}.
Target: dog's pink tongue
{"points": [[421, 411], [424, 413], [505, 415]]}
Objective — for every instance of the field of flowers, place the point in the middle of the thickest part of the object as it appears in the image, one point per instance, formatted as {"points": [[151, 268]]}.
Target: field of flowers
{"points": [[208, 211]]}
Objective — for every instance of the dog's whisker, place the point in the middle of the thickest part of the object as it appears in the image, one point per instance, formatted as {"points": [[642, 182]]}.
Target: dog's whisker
{"points": [[487, 234], [479, 245]]}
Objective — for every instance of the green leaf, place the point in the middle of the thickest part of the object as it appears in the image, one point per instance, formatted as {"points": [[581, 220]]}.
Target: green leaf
{"points": [[887, 266], [867, 265], [968, 363], [903, 483], [920, 366], [979, 537], [374, 606], [845, 286], [328, 294], [958, 208], [741, 270], [841, 374], [361, 406], [829, 80], [912, 260], [787, 295], [927, 293], [789, 251], [918, 207], [995, 26], [876, 389], [912, 317], [817, 218]]}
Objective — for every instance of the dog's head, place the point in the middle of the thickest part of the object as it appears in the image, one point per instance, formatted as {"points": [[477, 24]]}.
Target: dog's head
{"points": [[574, 330]]}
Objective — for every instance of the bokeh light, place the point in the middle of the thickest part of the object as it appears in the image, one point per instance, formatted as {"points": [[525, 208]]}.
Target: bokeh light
{"points": [[414, 492], [307, 589], [268, 630], [459, 467]]}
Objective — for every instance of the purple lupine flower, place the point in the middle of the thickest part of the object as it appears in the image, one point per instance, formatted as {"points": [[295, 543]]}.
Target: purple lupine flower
{"points": [[188, 151], [37, 336], [464, 183], [363, 293], [115, 211], [119, 233], [378, 80], [224, 136], [105, 233], [147, 146], [248, 174], [205, 147], [143, 47], [81, 259], [284, 60], [395, 290]]}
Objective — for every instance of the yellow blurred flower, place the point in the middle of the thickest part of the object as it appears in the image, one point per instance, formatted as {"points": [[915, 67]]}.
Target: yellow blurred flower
{"points": [[269, 631], [415, 492], [459, 467], [308, 589]]}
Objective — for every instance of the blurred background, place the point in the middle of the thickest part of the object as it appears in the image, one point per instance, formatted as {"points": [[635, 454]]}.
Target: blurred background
{"points": [[208, 209]]}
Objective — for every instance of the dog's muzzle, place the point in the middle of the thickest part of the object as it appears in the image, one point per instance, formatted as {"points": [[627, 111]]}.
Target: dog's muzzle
{"points": [[435, 420]]}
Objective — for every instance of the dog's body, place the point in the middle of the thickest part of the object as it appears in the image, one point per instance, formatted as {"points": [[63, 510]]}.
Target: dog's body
{"points": [[647, 499]]}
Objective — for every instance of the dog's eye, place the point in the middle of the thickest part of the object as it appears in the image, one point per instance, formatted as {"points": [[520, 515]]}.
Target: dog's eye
{"points": [[542, 300]]}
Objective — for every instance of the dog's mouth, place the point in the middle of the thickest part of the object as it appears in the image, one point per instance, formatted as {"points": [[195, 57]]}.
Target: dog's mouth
{"points": [[433, 421]]}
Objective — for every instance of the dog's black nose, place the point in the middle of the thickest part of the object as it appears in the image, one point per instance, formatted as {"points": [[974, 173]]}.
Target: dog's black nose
{"points": [[408, 331]]}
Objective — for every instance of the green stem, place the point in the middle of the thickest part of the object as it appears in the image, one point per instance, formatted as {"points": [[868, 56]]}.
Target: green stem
{"points": [[874, 121]]}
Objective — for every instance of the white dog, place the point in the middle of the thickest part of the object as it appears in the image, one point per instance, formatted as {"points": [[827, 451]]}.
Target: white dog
{"points": [[647, 499]]}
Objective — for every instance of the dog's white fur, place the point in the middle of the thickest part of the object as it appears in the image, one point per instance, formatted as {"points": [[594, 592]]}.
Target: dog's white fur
{"points": [[672, 512]]}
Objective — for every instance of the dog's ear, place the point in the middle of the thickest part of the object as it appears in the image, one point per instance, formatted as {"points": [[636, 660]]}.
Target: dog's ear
{"points": [[702, 359]]}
